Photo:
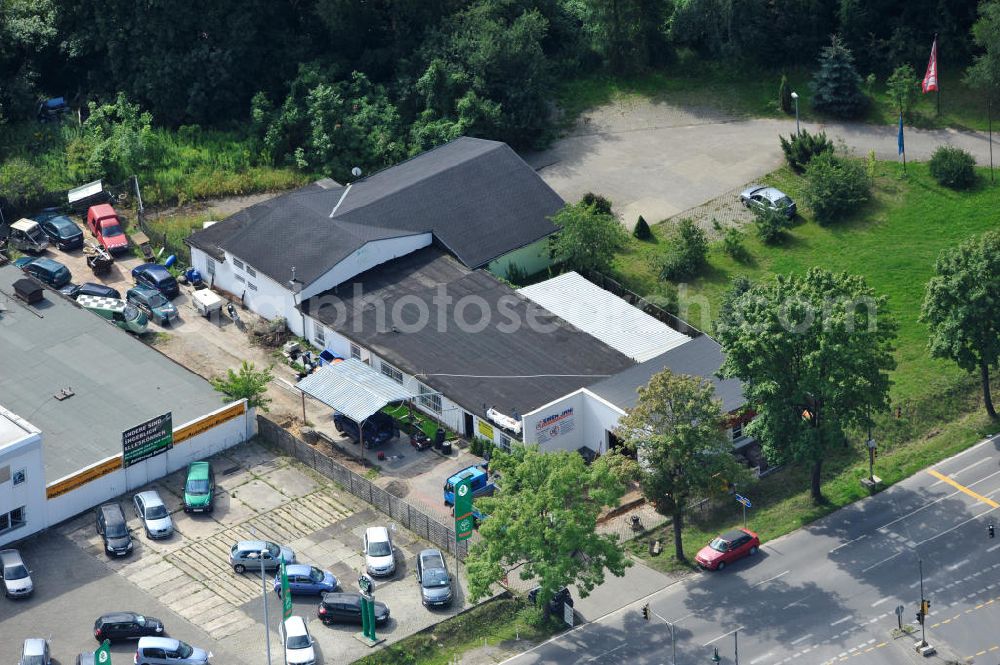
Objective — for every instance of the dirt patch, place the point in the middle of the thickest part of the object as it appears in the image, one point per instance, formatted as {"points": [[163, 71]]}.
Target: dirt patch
{"points": [[218, 208], [397, 489]]}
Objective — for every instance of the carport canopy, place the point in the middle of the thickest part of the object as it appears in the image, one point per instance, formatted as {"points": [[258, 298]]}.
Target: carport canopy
{"points": [[353, 388]]}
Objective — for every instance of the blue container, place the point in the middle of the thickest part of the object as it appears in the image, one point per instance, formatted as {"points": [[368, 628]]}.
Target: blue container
{"points": [[171, 260]]}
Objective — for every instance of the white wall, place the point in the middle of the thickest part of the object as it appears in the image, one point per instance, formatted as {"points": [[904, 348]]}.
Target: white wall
{"points": [[555, 427], [366, 257], [530, 258], [22, 454]]}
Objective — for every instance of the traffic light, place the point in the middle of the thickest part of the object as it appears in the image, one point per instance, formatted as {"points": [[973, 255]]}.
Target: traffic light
{"points": [[645, 611], [920, 617], [925, 607]]}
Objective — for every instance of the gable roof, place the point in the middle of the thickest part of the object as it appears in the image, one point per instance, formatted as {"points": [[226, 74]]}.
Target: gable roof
{"points": [[478, 198], [512, 367], [702, 356]]}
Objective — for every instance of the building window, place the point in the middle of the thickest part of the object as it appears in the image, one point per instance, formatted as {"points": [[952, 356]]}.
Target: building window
{"points": [[19, 476], [737, 431], [251, 271], [12, 520], [210, 265], [431, 401], [238, 263], [504, 442], [319, 335], [355, 351], [252, 286], [392, 372], [240, 279]]}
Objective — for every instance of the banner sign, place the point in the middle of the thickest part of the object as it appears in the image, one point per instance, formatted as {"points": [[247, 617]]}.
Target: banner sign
{"points": [[147, 440], [552, 426]]}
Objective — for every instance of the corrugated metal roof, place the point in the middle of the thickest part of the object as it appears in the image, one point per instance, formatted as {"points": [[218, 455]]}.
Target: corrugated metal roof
{"points": [[604, 315], [353, 388]]}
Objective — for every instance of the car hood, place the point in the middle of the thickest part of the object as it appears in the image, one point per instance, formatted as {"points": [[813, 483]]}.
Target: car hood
{"points": [[296, 656], [380, 561], [329, 580], [161, 524], [436, 592], [165, 310], [154, 625], [19, 586], [115, 241], [197, 499], [287, 554], [119, 543], [198, 655], [706, 553]]}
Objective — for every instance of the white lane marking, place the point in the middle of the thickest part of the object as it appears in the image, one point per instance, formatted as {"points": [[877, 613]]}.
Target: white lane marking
{"points": [[716, 639], [993, 549], [962, 470], [760, 659], [875, 565], [839, 621], [958, 565], [879, 602], [960, 524], [861, 537], [936, 501], [770, 579], [802, 639], [601, 655]]}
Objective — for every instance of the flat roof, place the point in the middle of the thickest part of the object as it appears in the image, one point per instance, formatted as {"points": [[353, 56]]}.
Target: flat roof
{"points": [[600, 313], [116, 380], [10, 430]]}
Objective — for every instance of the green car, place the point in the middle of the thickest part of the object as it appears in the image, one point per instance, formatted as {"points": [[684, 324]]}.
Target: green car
{"points": [[153, 303], [199, 489], [125, 316]]}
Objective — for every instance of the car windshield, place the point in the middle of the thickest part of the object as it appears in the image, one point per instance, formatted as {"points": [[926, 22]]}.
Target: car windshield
{"points": [[198, 486], [111, 230], [35, 233], [783, 202], [184, 650], [131, 312], [61, 273], [141, 620], [298, 642], [274, 550], [156, 512], [719, 545], [435, 578], [33, 660], [379, 548], [18, 572], [316, 575], [157, 300], [117, 530]]}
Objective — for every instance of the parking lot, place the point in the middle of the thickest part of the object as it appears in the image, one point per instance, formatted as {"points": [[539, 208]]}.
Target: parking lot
{"points": [[186, 579]]}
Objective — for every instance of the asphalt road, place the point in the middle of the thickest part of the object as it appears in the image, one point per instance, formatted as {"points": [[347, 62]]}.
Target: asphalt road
{"points": [[827, 593]]}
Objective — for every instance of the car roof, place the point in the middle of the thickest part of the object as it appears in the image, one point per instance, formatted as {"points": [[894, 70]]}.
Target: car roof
{"points": [[117, 616], [151, 498], [377, 533], [47, 263], [431, 552], [297, 568], [198, 470], [158, 642], [147, 291], [152, 268], [340, 596], [252, 545], [34, 646], [468, 472], [101, 302], [294, 625], [733, 534], [10, 557], [23, 224], [102, 209]]}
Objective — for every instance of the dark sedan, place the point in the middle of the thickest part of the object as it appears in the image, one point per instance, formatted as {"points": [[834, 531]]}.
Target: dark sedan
{"points": [[45, 270], [126, 626], [60, 229], [346, 608], [156, 277], [89, 289]]}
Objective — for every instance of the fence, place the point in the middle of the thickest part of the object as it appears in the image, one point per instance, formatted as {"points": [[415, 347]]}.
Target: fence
{"points": [[402, 512]]}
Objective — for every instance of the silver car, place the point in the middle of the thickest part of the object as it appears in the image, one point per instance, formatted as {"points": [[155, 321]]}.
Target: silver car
{"points": [[252, 554], [380, 558], [35, 652], [149, 508], [16, 576], [435, 582], [168, 651], [761, 197]]}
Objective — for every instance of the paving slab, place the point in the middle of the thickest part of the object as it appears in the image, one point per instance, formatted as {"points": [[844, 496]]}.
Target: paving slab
{"points": [[260, 496], [290, 481]]}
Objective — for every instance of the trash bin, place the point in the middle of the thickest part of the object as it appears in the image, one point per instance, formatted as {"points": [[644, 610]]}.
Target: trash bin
{"points": [[446, 448], [438, 437]]}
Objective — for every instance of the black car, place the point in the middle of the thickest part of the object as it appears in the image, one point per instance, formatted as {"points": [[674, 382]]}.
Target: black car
{"points": [[113, 529], [156, 277], [61, 230], [126, 626], [346, 608], [89, 289]]}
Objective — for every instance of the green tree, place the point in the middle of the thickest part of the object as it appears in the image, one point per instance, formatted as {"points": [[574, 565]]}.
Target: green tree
{"points": [[771, 224], [836, 85], [641, 230], [543, 524], [28, 30], [984, 73], [801, 147], [249, 383], [679, 436], [117, 141], [902, 87], [953, 167], [835, 186], [785, 95], [587, 238], [960, 308], [21, 183], [688, 251], [813, 352], [630, 34]]}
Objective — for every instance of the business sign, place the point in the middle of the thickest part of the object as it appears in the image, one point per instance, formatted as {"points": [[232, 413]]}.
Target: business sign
{"points": [[485, 429], [464, 523], [555, 425], [147, 440], [103, 654]]}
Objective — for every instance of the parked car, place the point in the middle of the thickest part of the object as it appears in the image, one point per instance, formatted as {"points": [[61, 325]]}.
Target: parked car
{"points": [[479, 483], [346, 608], [45, 270], [298, 642], [432, 575], [168, 651], [149, 507], [728, 547], [306, 579], [60, 229], [103, 222], [16, 576], [85, 658], [125, 626], [153, 303], [125, 316], [761, 197], [380, 556], [559, 599], [246, 554], [113, 529], [156, 277], [73, 291], [35, 652], [379, 428], [199, 488], [27, 236]]}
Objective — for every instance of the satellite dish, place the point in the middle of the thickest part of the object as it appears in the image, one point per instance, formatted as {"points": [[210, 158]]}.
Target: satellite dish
{"points": [[356, 172]]}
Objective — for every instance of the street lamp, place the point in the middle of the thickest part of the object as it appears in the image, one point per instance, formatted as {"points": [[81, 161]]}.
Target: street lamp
{"points": [[716, 658], [795, 96], [267, 622]]}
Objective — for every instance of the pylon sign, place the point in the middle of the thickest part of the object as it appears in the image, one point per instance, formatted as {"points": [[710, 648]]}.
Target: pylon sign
{"points": [[464, 522]]}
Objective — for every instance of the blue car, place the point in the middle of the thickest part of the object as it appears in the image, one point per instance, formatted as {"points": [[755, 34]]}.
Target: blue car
{"points": [[45, 270], [306, 579], [60, 229], [156, 277]]}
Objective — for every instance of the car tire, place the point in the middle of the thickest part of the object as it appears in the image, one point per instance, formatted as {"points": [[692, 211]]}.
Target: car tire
{"points": [[753, 550], [240, 568], [722, 564], [149, 536]]}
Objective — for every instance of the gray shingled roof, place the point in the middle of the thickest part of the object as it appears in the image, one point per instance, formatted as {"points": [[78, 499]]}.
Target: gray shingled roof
{"points": [[516, 370], [702, 356], [478, 198]]}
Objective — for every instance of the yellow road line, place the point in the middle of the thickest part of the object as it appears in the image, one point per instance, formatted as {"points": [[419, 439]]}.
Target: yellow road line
{"points": [[962, 488]]}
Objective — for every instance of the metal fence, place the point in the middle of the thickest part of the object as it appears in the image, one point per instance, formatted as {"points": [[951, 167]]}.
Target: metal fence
{"points": [[406, 514]]}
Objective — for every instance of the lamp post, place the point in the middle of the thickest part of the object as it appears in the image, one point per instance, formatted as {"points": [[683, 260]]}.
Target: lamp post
{"points": [[795, 96], [267, 622]]}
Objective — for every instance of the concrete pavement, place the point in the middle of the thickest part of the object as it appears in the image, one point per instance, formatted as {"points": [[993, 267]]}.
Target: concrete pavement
{"points": [[827, 593]]}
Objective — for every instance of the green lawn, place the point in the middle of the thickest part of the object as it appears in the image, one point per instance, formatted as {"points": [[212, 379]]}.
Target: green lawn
{"points": [[893, 242]]}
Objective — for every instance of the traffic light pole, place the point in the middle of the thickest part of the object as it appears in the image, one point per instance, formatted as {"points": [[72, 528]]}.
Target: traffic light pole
{"points": [[923, 620], [646, 611]]}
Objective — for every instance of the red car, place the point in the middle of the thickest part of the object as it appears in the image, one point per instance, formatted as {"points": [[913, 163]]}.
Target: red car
{"points": [[102, 220], [728, 547]]}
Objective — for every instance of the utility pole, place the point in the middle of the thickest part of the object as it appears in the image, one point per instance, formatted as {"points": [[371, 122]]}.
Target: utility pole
{"points": [[924, 606], [267, 623], [673, 643], [736, 645]]}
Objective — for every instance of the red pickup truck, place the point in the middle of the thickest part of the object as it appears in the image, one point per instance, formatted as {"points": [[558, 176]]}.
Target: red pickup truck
{"points": [[102, 220]]}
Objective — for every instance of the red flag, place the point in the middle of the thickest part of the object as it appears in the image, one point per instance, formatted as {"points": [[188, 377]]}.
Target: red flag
{"points": [[931, 77]]}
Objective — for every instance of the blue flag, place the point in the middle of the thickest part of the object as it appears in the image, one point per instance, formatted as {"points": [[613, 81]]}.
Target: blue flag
{"points": [[900, 138]]}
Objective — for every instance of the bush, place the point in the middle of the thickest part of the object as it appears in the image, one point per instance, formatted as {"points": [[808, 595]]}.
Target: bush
{"points": [[732, 244], [687, 254], [770, 224], [785, 95], [20, 183], [641, 230], [953, 167], [800, 148], [597, 202], [835, 187]]}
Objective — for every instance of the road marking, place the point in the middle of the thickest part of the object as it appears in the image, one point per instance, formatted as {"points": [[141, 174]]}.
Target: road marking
{"points": [[838, 621], [802, 639], [716, 639], [962, 488], [760, 658], [959, 525], [936, 501], [879, 602], [770, 579], [964, 469], [862, 536], [993, 549], [955, 566], [601, 655], [875, 565]]}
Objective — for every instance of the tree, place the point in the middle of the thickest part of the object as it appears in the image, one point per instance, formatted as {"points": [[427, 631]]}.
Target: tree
{"points": [[117, 141], [771, 224], [688, 251], [902, 87], [984, 74], [835, 187], [801, 147], [679, 436], [836, 85], [543, 523], [249, 383], [641, 230], [960, 308], [785, 95], [631, 34], [813, 352], [587, 238]]}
